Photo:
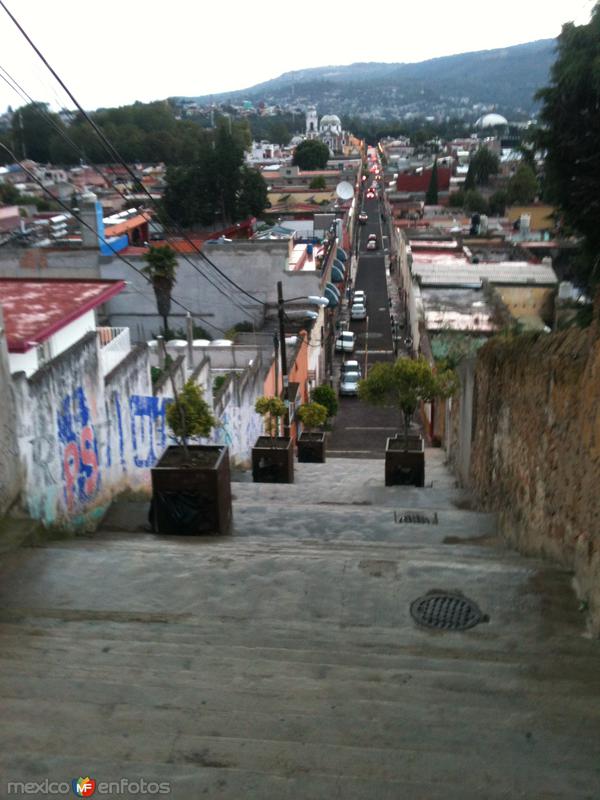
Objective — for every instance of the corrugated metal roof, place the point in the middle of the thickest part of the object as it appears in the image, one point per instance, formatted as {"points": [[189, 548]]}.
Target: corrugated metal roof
{"points": [[509, 272]]}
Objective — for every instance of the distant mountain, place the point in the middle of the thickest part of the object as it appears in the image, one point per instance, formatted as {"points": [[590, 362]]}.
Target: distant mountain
{"points": [[453, 85]]}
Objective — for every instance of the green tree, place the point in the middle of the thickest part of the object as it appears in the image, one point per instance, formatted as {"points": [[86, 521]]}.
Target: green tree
{"points": [[190, 415], [523, 186], [403, 385], [474, 202], [431, 198], [570, 117], [253, 194], [312, 415], [318, 183], [497, 203], [8, 194], [271, 410], [161, 268], [311, 154], [33, 128], [482, 166], [326, 396]]}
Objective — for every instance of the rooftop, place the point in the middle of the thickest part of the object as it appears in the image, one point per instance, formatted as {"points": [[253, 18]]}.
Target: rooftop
{"points": [[450, 273], [36, 309]]}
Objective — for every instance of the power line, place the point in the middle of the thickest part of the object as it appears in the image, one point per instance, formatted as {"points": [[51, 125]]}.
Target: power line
{"points": [[16, 87], [101, 238], [111, 148]]}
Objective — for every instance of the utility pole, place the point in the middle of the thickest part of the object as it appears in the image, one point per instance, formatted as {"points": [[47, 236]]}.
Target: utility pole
{"points": [[284, 372]]}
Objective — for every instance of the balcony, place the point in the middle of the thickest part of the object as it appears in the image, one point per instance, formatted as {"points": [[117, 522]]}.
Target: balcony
{"points": [[114, 344]]}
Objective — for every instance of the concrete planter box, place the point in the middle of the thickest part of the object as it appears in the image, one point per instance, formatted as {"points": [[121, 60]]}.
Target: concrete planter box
{"points": [[273, 460], [312, 448], [192, 499], [405, 467]]}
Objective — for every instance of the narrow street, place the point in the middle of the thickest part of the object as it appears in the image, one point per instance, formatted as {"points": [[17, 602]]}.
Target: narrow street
{"points": [[361, 431]]}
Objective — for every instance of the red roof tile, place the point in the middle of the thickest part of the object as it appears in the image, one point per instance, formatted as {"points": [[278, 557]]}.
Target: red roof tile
{"points": [[36, 309]]}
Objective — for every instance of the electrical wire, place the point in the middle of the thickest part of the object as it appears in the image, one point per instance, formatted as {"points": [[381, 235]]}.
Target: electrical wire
{"points": [[23, 94], [57, 200], [111, 148]]}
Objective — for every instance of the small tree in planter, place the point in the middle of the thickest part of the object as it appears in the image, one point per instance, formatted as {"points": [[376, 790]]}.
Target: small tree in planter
{"points": [[311, 445], [272, 455], [326, 396], [191, 484], [403, 385]]}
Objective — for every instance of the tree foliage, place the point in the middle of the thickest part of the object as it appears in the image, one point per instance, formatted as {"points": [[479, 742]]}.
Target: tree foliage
{"points": [[312, 415], [482, 166], [271, 410], [403, 385], [571, 117], [311, 154], [523, 186], [190, 415], [216, 186], [431, 198], [326, 396], [161, 268]]}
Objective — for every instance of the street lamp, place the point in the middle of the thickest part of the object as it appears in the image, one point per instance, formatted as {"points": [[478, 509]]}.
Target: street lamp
{"points": [[314, 300]]}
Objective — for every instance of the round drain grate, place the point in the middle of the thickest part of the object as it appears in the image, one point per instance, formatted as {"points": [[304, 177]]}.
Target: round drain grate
{"points": [[447, 612]]}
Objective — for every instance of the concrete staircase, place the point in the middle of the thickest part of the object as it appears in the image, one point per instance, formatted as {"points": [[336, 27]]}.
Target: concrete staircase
{"points": [[282, 662]]}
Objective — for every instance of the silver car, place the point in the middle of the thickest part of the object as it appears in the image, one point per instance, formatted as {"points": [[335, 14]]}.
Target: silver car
{"points": [[349, 383], [351, 366], [358, 311]]}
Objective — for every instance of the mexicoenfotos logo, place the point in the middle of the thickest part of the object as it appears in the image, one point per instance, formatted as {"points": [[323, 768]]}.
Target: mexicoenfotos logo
{"points": [[83, 787]]}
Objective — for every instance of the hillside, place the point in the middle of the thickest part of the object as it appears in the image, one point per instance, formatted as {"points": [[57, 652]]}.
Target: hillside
{"points": [[453, 85]]}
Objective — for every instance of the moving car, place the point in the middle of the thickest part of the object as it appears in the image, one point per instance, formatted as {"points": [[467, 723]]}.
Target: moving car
{"points": [[363, 217], [358, 311], [345, 342], [372, 244], [349, 383]]}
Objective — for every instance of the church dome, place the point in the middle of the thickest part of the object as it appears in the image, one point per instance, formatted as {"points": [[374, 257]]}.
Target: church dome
{"points": [[330, 121], [490, 121]]}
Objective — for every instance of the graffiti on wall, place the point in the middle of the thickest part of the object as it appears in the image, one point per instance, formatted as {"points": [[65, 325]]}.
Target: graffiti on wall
{"points": [[80, 461], [89, 447]]}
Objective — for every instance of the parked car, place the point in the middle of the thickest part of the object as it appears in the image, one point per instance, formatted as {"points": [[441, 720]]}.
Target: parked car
{"points": [[349, 383], [345, 342], [359, 296], [351, 366], [363, 217], [358, 311], [372, 237]]}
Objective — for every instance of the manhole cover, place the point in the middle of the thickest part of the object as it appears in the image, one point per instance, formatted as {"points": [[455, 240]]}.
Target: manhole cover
{"points": [[447, 612], [414, 518]]}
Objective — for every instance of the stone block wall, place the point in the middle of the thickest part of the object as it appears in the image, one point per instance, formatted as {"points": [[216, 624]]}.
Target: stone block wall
{"points": [[10, 474], [535, 455]]}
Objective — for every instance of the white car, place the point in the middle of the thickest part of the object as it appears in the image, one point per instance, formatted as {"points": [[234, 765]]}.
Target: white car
{"points": [[358, 311], [351, 366], [359, 296], [372, 244], [349, 383], [345, 342]]}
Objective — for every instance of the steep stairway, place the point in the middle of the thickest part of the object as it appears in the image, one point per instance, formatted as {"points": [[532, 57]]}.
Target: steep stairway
{"points": [[283, 661]]}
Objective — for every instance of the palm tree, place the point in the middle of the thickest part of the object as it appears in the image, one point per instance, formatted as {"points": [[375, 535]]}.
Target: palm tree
{"points": [[161, 266]]}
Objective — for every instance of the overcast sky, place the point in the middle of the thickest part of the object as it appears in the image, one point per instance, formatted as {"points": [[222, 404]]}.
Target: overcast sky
{"points": [[114, 52]]}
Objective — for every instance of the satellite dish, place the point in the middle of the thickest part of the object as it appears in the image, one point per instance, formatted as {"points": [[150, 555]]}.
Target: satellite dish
{"points": [[344, 190]]}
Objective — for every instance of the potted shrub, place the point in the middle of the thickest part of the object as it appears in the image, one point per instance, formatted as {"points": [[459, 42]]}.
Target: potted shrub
{"points": [[403, 385], [191, 487], [272, 455], [311, 444]]}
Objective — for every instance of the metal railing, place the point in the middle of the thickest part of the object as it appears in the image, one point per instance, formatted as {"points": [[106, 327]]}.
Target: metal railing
{"points": [[115, 344]]}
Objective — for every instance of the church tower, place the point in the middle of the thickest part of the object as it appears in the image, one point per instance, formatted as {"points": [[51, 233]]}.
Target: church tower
{"points": [[312, 123]]}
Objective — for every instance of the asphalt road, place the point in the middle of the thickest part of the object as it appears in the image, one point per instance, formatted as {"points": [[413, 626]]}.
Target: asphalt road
{"points": [[360, 430]]}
